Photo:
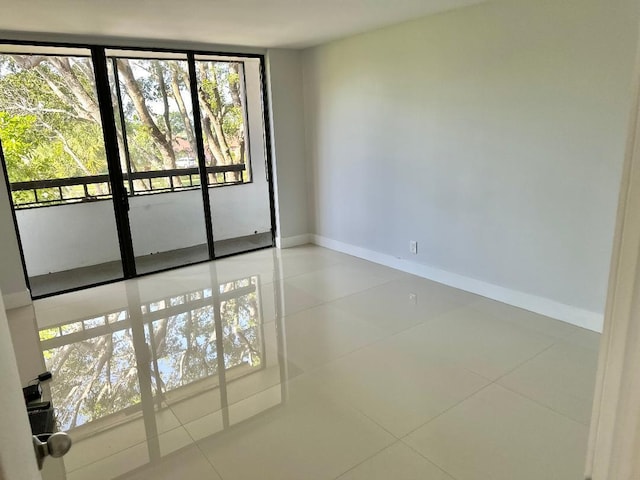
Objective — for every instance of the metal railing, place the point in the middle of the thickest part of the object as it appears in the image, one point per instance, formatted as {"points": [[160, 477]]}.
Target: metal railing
{"points": [[58, 191]]}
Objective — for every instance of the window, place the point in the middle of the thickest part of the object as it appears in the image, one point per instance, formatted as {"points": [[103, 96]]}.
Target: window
{"points": [[223, 115], [51, 130]]}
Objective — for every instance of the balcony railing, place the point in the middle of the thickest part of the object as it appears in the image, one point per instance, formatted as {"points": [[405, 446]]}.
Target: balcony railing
{"points": [[90, 188]]}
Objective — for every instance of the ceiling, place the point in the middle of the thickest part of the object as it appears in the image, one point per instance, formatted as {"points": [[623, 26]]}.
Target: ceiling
{"points": [[252, 23]]}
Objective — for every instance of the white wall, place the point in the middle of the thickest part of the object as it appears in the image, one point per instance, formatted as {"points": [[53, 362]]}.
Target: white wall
{"points": [[288, 150], [76, 235], [11, 275], [71, 236], [493, 135]]}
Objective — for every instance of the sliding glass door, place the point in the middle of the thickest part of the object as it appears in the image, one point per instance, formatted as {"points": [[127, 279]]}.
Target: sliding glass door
{"points": [[158, 156], [56, 167], [128, 162], [232, 120]]}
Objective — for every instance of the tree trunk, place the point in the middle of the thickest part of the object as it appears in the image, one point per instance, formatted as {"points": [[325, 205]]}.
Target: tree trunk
{"points": [[165, 99], [212, 140], [215, 118], [175, 88], [88, 103], [137, 97]]}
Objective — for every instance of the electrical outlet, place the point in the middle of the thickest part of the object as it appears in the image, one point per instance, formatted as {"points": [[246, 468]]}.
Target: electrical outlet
{"points": [[413, 247], [413, 298]]}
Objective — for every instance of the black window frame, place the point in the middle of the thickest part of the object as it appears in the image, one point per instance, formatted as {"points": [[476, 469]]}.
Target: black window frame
{"points": [[146, 53], [121, 205]]}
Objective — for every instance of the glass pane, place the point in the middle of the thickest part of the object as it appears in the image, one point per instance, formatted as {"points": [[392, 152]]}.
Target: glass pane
{"points": [[52, 141], [158, 152], [222, 110], [230, 99]]}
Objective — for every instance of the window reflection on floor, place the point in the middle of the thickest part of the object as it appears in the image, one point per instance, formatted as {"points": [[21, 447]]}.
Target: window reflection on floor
{"points": [[95, 367], [106, 368]]}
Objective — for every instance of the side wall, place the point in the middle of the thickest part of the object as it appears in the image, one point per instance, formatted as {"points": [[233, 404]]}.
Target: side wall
{"points": [[493, 135], [288, 151], [12, 281]]}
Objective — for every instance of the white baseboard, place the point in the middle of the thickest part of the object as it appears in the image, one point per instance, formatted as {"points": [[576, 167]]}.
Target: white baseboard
{"points": [[288, 242], [543, 306], [16, 300]]}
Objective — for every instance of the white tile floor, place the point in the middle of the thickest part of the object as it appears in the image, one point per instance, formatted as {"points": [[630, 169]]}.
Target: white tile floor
{"points": [[330, 367]]}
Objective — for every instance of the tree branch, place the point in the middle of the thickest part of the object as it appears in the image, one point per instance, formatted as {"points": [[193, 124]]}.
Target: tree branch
{"points": [[137, 97]]}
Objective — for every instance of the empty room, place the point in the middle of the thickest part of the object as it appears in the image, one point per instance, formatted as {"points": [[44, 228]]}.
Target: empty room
{"points": [[337, 240]]}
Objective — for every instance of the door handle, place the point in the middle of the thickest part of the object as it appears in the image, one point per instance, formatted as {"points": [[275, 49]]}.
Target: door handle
{"points": [[50, 444]]}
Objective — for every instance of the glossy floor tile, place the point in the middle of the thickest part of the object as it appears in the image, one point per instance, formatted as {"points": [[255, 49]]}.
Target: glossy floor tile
{"points": [[539, 323], [561, 378], [477, 341], [306, 438], [118, 438], [308, 364], [322, 334], [343, 279], [397, 387], [502, 435], [146, 455], [187, 463], [403, 303], [398, 462]]}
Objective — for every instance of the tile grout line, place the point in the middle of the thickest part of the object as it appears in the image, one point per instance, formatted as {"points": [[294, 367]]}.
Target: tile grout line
{"points": [[493, 383], [145, 441], [358, 292], [400, 439], [388, 337], [524, 362], [540, 404], [428, 459], [197, 445], [448, 409], [404, 439], [526, 397], [208, 460], [366, 459]]}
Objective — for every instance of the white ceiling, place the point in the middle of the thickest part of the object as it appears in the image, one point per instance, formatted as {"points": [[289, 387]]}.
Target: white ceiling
{"points": [[255, 23]]}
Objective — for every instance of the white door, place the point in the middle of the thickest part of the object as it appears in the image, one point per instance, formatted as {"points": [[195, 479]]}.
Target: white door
{"points": [[614, 441], [17, 458]]}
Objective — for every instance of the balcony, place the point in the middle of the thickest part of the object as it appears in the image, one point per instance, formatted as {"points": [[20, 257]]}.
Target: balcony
{"points": [[72, 241], [40, 193]]}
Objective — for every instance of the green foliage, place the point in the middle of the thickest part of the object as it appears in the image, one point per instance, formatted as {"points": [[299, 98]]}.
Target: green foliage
{"points": [[50, 123], [18, 137], [43, 136]]}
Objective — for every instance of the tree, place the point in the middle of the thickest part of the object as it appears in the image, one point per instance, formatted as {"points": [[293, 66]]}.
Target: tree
{"points": [[50, 124], [222, 111], [50, 120]]}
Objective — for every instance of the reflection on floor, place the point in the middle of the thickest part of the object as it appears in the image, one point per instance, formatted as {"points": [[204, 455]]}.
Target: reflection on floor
{"points": [[310, 364], [78, 277]]}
